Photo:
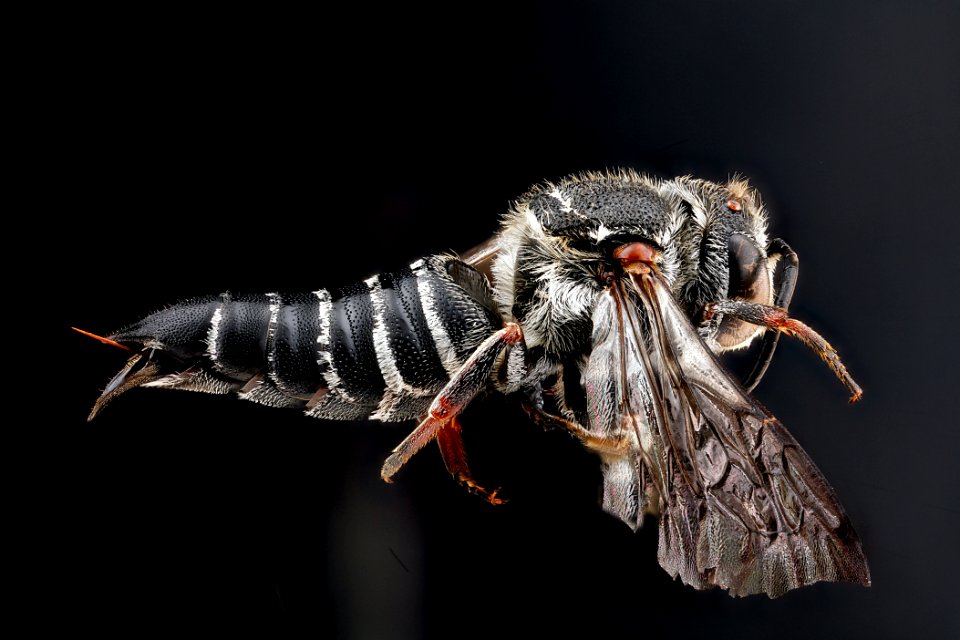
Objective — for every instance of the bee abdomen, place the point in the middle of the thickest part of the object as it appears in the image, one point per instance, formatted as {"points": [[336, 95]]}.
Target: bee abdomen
{"points": [[378, 349]]}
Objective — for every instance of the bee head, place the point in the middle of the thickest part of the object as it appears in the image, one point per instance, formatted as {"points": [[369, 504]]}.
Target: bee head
{"points": [[723, 249], [560, 239]]}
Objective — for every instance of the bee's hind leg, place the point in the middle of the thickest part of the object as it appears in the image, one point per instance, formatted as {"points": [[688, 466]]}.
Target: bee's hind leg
{"points": [[441, 422], [454, 457]]}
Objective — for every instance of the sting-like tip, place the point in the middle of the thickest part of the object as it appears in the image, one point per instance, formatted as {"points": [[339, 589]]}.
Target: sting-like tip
{"points": [[108, 341]]}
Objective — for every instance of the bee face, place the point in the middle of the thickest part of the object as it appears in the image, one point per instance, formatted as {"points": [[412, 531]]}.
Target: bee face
{"points": [[559, 242]]}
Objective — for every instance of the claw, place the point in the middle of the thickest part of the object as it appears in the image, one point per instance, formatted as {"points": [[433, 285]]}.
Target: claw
{"points": [[470, 485]]}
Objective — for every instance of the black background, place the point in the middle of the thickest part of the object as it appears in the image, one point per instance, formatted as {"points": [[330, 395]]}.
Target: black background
{"points": [[187, 154]]}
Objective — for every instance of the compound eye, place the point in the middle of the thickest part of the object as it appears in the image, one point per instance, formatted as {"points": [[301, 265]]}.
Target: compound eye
{"points": [[746, 265], [750, 281]]}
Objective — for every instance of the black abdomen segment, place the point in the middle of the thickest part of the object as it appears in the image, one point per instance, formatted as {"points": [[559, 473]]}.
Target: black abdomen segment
{"points": [[238, 340], [294, 365], [411, 344], [351, 342]]}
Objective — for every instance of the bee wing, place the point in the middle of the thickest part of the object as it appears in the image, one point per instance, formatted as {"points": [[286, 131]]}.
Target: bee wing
{"points": [[741, 504]]}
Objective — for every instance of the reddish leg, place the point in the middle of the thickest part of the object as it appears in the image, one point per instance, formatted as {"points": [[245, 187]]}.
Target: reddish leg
{"points": [[462, 388], [454, 456], [778, 320]]}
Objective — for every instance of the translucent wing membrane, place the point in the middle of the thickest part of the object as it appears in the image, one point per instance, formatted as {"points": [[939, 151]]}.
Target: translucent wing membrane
{"points": [[741, 505]]}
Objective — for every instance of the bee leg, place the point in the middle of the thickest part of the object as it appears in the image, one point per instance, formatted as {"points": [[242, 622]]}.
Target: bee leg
{"points": [[593, 441], [454, 457], [778, 320], [454, 397], [786, 282]]}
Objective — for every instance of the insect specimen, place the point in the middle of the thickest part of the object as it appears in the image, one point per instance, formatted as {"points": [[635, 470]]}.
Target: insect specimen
{"points": [[602, 305]]}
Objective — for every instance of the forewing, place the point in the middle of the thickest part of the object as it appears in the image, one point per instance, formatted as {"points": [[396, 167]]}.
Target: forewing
{"points": [[741, 504], [617, 393]]}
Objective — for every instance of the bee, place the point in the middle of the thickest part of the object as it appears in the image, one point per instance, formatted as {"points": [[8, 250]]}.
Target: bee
{"points": [[602, 305]]}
